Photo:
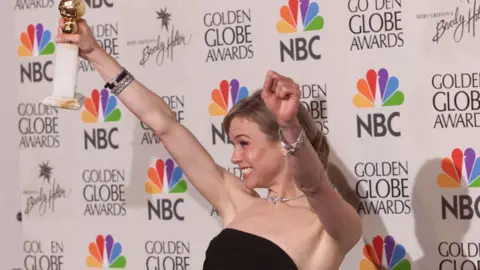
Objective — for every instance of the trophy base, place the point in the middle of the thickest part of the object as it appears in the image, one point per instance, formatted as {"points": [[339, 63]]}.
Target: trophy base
{"points": [[74, 103]]}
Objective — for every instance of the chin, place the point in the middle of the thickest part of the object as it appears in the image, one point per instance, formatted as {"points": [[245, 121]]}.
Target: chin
{"points": [[250, 182]]}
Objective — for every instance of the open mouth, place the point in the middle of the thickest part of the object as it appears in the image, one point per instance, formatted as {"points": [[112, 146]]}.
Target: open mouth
{"points": [[246, 171]]}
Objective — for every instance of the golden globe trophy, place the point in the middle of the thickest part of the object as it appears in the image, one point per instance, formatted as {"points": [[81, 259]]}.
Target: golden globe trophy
{"points": [[66, 61]]}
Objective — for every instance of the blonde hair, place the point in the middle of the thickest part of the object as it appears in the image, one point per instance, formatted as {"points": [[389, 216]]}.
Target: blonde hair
{"points": [[253, 108]]}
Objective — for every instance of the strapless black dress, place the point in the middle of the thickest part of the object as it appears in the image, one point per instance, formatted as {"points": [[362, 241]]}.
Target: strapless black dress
{"points": [[233, 249]]}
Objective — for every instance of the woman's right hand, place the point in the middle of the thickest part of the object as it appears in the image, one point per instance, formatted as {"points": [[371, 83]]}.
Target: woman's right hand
{"points": [[84, 39]]}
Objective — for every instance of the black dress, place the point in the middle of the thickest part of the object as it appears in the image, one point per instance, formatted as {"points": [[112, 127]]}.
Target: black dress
{"points": [[237, 250]]}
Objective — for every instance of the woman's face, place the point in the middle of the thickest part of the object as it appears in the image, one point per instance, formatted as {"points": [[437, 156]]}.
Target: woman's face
{"points": [[259, 158]]}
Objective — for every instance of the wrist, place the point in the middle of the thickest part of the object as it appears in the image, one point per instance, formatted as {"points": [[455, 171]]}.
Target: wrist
{"points": [[292, 138], [105, 64], [291, 130], [97, 56]]}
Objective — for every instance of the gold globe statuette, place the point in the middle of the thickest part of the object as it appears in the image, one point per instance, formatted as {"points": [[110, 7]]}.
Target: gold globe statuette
{"points": [[64, 94], [71, 11]]}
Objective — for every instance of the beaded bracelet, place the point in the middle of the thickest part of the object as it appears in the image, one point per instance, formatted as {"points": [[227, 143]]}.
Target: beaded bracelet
{"points": [[291, 148]]}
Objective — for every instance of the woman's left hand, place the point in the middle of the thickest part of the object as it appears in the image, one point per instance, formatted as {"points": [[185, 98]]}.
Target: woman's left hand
{"points": [[282, 97]]}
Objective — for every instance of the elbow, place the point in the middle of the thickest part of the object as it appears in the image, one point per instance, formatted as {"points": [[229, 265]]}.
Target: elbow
{"points": [[354, 231], [358, 230], [348, 230]]}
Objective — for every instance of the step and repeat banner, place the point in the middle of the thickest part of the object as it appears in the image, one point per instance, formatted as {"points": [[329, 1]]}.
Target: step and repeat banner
{"points": [[10, 195], [394, 84]]}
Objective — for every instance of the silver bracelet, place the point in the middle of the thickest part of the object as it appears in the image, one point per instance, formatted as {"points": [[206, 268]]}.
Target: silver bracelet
{"points": [[291, 148], [116, 79], [124, 83]]}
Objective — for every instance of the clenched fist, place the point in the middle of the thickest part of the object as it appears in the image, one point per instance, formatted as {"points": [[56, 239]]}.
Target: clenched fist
{"points": [[282, 97]]}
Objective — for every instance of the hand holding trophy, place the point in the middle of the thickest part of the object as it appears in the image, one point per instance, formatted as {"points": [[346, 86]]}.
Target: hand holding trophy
{"points": [[66, 61]]}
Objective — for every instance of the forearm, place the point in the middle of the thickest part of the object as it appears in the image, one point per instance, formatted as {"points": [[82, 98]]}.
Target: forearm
{"points": [[338, 218], [308, 170], [143, 103], [197, 164]]}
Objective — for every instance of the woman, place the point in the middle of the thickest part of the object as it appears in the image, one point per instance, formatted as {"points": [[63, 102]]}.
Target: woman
{"points": [[304, 223]]}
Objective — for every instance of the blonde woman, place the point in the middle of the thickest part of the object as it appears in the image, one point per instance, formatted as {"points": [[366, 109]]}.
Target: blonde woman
{"points": [[302, 224]]}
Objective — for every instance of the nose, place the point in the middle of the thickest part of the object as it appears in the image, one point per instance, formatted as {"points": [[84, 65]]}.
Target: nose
{"points": [[236, 156]]}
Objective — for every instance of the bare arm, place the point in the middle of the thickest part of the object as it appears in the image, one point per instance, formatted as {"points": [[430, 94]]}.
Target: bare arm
{"points": [[337, 216], [186, 150]]}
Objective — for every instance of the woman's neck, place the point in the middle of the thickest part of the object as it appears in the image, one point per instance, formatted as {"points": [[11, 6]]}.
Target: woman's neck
{"points": [[285, 189]]}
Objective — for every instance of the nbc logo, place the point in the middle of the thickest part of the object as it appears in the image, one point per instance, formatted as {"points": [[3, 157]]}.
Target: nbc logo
{"points": [[367, 96], [229, 94], [101, 107], [165, 169], [165, 208], [299, 15], [290, 23], [36, 41], [229, 91], [378, 89], [99, 3], [105, 253], [395, 255], [452, 168], [460, 164]]}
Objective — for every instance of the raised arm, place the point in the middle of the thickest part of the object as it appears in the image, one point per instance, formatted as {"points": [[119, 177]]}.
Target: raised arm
{"points": [[186, 150], [338, 217]]}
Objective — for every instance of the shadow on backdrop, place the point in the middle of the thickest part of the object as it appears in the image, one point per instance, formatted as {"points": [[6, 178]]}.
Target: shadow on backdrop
{"points": [[434, 233], [145, 149], [143, 153], [346, 183]]}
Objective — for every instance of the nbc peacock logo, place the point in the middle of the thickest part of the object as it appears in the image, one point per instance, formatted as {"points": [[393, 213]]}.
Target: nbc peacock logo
{"points": [[105, 253], [35, 41], [223, 98], [101, 107], [165, 177], [299, 15], [395, 255], [461, 164], [378, 89]]}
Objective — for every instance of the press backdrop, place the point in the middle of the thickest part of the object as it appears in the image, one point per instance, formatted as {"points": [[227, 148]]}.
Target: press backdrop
{"points": [[393, 84]]}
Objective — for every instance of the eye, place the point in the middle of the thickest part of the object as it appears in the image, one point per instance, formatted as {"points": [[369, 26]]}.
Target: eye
{"points": [[243, 143]]}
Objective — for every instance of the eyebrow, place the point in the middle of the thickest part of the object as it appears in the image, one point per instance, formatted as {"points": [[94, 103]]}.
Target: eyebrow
{"points": [[240, 135]]}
